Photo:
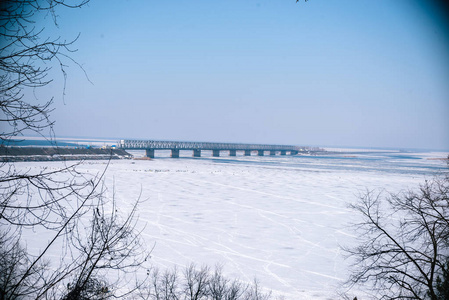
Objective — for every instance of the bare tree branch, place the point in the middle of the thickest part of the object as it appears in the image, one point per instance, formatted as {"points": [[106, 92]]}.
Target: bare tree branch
{"points": [[403, 241]]}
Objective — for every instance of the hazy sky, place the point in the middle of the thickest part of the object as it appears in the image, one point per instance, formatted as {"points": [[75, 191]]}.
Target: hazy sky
{"points": [[325, 72]]}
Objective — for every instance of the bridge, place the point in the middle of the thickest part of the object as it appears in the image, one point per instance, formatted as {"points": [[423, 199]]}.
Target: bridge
{"points": [[150, 146]]}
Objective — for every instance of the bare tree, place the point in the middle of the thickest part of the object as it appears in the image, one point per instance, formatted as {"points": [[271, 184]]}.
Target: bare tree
{"points": [[53, 200], [404, 242], [197, 282], [161, 286], [111, 249], [222, 288], [102, 257], [29, 198], [26, 58]]}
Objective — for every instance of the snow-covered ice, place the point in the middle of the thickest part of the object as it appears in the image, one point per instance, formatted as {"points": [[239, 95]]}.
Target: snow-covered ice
{"points": [[279, 219]]}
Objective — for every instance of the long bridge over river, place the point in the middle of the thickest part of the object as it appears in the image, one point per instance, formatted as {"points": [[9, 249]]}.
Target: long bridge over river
{"points": [[150, 146]]}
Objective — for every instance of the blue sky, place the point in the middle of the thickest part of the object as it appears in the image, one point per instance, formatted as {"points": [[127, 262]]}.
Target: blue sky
{"points": [[325, 72]]}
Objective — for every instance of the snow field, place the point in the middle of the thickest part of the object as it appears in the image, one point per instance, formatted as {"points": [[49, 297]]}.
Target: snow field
{"points": [[281, 224]]}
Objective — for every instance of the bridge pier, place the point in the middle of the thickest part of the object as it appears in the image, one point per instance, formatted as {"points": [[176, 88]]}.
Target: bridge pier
{"points": [[272, 152], [215, 153], [247, 152], [175, 153], [283, 152], [196, 153], [293, 152], [232, 152], [149, 153], [260, 152]]}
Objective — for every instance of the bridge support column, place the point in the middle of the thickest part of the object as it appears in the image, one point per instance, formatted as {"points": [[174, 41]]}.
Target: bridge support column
{"points": [[247, 152], [149, 153], [232, 152], [215, 153], [175, 153], [283, 152], [293, 152], [196, 153], [260, 152], [272, 152]]}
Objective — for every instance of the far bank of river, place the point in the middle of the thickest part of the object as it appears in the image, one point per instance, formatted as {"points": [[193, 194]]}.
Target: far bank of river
{"points": [[12, 154]]}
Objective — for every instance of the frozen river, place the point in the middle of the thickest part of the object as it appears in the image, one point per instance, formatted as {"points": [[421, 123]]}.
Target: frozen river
{"points": [[280, 219]]}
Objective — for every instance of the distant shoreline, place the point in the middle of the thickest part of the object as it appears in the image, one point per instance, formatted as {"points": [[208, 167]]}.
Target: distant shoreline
{"points": [[18, 154]]}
